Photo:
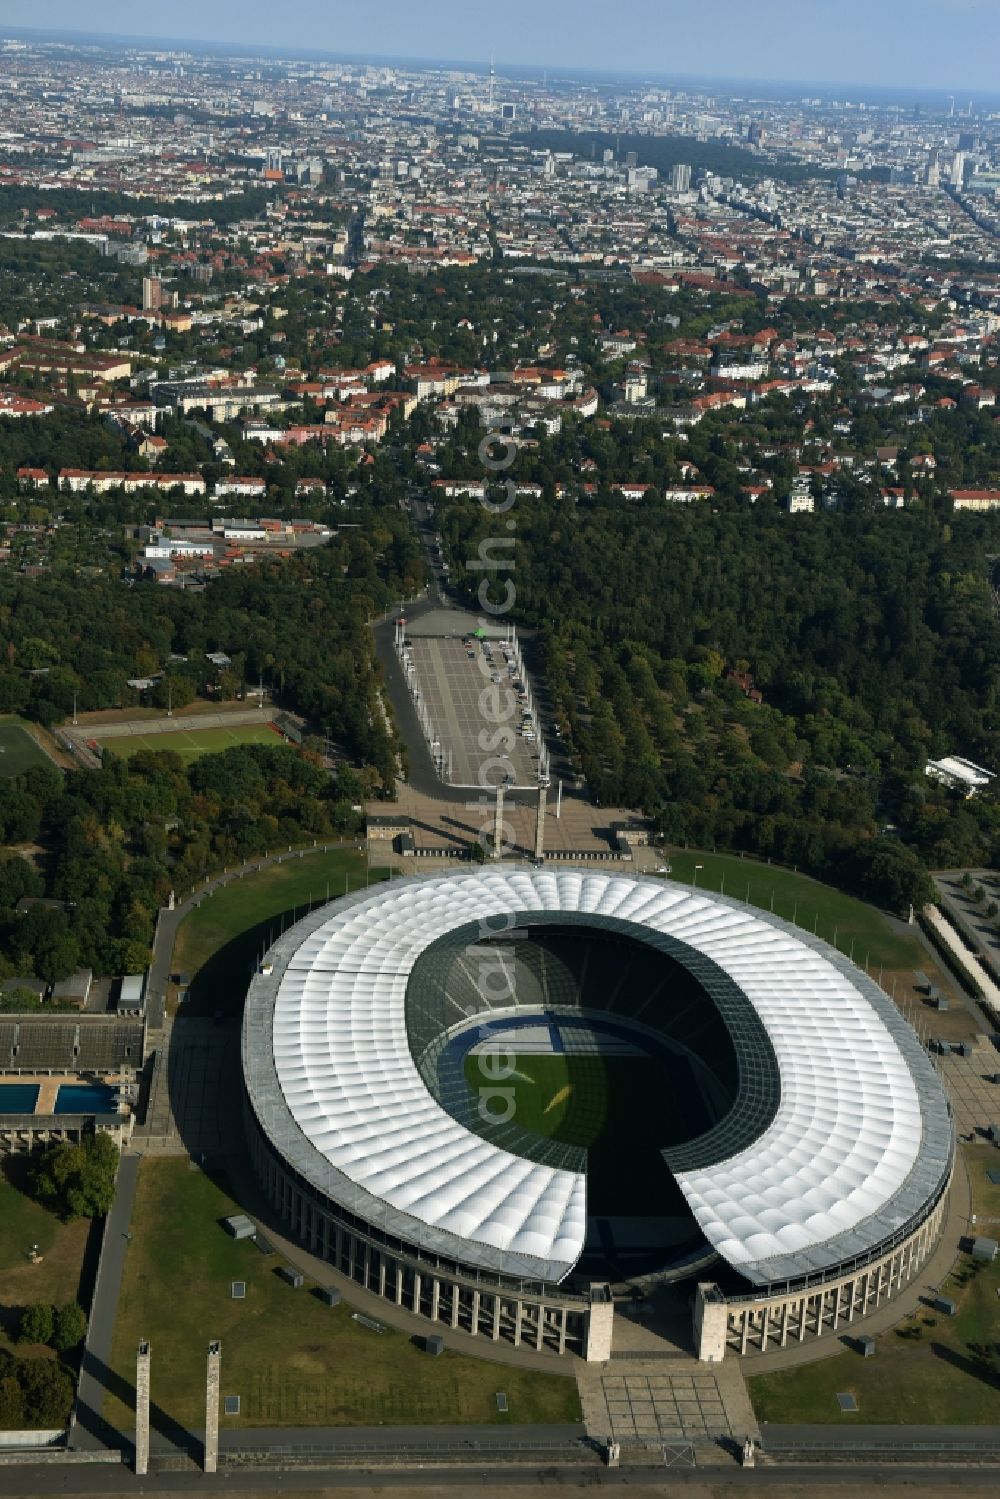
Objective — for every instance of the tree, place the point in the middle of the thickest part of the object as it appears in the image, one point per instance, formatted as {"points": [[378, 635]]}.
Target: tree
{"points": [[48, 1391], [37, 1323], [174, 691], [70, 1327], [11, 1397], [79, 1180]]}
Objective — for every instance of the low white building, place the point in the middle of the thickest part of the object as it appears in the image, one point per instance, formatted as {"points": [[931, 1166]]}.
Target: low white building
{"points": [[168, 548], [241, 486], [958, 773]]}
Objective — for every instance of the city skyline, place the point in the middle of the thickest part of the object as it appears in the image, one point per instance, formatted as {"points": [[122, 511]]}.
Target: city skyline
{"points": [[780, 41]]}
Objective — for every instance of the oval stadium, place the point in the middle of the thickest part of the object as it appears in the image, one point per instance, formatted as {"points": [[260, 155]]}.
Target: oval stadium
{"points": [[509, 1100]]}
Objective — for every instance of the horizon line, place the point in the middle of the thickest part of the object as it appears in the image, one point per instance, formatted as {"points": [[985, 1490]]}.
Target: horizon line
{"points": [[567, 71]]}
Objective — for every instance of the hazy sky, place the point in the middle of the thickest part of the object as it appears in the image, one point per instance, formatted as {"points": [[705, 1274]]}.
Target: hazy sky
{"points": [[950, 44]]}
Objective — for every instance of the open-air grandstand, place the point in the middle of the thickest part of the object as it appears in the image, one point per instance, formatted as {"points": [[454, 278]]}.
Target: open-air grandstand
{"points": [[98, 1044]]}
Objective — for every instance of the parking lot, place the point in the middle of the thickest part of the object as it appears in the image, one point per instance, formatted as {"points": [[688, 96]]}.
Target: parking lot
{"points": [[451, 677]]}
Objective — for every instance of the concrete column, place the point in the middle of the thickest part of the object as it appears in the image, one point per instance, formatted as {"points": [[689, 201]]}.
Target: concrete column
{"points": [[784, 1324], [745, 1332], [540, 1330], [600, 1325], [540, 825], [338, 1248], [435, 1298], [399, 1285], [820, 1299], [802, 1319], [562, 1330], [836, 1308], [496, 1318], [381, 1274], [416, 1291], [456, 1304], [475, 1314], [852, 1292], [142, 1409], [498, 825], [518, 1315], [212, 1382], [365, 1252]]}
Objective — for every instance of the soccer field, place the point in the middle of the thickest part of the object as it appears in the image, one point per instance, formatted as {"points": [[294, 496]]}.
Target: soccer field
{"points": [[191, 744], [621, 1110], [18, 751]]}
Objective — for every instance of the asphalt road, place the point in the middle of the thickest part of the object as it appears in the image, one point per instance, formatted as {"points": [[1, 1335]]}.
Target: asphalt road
{"points": [[169, 921], [89, 1431], [505, 1482], [849, 1436], [387, 1438]]}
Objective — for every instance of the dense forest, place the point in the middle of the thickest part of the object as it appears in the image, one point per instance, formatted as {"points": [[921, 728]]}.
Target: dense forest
{"points": [[663, 152], [70, 202], [873, 640], [109, 845], [300, 624]]}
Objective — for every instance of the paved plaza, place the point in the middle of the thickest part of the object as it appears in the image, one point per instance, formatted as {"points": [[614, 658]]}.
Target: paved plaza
{"points": [[451, 684], [666, 1401], [975, 1097], [194, 1104], [449, 827]]}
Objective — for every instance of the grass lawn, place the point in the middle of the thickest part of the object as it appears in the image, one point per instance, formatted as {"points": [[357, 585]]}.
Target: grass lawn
{"points": [[617, 1108], [62, 1247], [293, 1361], [18, 751], [219, 941], [815, 907], [559, 1097], [191, 744], [986, 1197], [924, 1371]]}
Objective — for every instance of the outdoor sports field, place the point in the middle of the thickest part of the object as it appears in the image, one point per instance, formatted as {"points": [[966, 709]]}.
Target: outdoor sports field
{"points": [[191, 744], [621, 1109], [18, 751]]}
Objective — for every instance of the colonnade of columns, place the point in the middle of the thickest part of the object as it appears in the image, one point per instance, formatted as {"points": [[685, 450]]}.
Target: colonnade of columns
{"points": [[754, 1326], [480, 1310]]}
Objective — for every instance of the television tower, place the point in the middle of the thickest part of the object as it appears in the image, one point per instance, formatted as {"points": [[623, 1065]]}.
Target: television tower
{"points": [[493, 83]]}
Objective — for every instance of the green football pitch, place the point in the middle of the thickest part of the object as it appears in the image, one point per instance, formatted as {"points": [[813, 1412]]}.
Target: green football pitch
{"points": [[620, 1109], [191, 744], [18, 751]]}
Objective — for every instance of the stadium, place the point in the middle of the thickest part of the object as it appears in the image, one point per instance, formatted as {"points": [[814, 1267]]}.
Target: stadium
{"points": [[504, 1099]]}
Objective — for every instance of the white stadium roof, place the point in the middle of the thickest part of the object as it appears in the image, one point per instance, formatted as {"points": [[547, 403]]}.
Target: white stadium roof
{"points": [[860, 1140]]}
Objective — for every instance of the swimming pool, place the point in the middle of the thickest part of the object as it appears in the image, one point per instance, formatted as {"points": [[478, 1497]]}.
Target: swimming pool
{"points": [[18, 1098], [85, 1098]]}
